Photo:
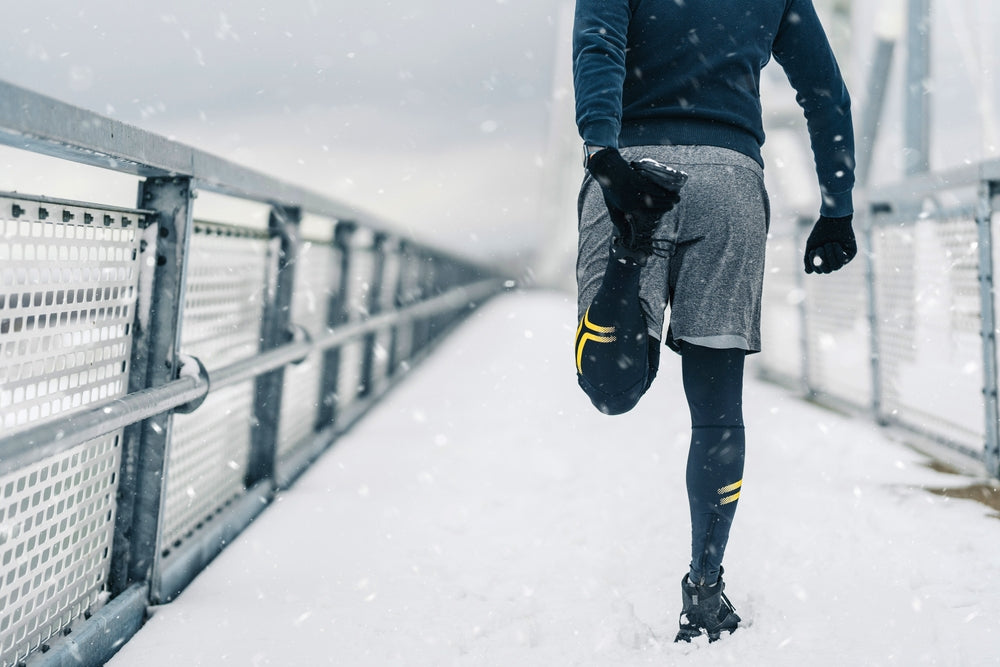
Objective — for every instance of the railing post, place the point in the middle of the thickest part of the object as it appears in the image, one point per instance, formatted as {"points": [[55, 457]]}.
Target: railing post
{"points": [[918, 96], [445, 279], [367, 379], [283, 225], [801, 231], [411, 292], [338, 315], [873, 324], [424, 328], [155, 358], [984, 223], [878, 78], [398, 299]]}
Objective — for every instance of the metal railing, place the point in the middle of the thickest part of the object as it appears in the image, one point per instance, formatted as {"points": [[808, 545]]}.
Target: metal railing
{"points": [[162, 375], [909, 332]]}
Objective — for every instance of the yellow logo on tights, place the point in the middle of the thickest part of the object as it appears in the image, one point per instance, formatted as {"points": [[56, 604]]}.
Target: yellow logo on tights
{"points": [[591, 332], [733, 497]]}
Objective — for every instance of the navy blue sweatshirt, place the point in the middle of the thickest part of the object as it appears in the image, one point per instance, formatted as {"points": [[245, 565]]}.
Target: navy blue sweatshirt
{"points": [[687, 72]]}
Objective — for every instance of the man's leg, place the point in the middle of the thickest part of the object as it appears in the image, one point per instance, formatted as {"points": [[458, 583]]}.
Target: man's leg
{"points": [[713, 384], [616, 359]]}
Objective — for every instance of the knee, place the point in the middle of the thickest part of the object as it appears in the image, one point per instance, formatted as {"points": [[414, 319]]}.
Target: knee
{"points": [[601, 382], [613, 403], [713, 385]]}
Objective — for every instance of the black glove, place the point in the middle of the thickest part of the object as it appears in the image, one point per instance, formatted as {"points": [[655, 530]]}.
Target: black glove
{"points": [[627, 190], [831, 245]]}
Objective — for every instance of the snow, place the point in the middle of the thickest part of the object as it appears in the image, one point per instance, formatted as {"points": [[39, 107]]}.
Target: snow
{"points": [[485, 514]]}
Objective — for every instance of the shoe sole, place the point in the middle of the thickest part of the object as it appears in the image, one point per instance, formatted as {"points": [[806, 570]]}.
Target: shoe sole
{"points": [[686, 635]]}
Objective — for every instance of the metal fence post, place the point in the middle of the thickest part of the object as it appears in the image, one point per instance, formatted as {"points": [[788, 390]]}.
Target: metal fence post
{"points": [[155, 346], [918, 97], [984, 223], [428, 277], [801, 232], [878, 77], [416, 293], [338, 315], [367, 379], [869, 235], [398, 300], [283, 224]]}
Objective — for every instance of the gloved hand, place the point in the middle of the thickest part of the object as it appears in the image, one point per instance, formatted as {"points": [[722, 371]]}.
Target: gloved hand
{"points": [[628, 191], [831, 245]]}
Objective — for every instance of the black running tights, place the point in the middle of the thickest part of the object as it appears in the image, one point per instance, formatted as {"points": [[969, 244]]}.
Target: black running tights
{"points": [[616, 363], [713, 384]]}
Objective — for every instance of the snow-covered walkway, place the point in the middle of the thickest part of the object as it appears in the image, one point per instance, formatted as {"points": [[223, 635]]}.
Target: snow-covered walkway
{"points": [[485, 514]]}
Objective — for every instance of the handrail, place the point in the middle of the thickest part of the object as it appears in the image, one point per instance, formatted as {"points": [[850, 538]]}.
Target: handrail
{"points": [[41, 124], [38, 443], [48, 439], [453, 299], [251, 367], [45, 125], [921, 186]]}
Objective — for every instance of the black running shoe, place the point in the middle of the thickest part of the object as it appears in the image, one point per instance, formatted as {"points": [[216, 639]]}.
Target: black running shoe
{"points": [[635, 230], [706, 610]]}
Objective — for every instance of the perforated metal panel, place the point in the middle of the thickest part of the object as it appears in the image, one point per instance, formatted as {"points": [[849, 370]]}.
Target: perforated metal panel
{"points": [[360, 281], [392, 270], [409, 292], [930, 349], [228, 272], [56, 528], [781, 326], [68, 275], [315, 285], [839, 333], [67, 292]]}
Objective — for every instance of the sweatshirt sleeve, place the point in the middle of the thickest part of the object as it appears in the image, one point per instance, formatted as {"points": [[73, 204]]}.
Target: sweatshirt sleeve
{"points": [[600, 31], [802, 49]]}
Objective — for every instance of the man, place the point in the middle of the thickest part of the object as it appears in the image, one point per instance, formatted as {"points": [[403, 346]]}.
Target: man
{"points": [[667, 91]]}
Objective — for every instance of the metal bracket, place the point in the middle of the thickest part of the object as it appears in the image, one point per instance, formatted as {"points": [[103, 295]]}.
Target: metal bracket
{"points": [[296, 333], [191, 366]]}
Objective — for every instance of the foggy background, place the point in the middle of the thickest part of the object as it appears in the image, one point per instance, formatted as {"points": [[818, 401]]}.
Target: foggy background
{"points": [[453, 121], [433, 115]]}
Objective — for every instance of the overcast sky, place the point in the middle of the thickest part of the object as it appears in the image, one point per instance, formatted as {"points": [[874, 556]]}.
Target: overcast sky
{"points": [[431, 113]]}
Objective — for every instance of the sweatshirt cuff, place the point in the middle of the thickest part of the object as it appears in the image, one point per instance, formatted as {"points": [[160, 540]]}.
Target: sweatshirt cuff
{"points": [[600, 133], [837, 205]]}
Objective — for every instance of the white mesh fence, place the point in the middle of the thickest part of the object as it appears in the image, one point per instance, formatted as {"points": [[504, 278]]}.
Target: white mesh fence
{"points": [[222, 320], [359, 286], [68, 276], [930, 347], [315, 284], [927, 317], [781, 319]]}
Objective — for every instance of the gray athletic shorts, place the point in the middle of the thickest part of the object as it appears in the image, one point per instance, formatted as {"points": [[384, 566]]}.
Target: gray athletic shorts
{"points": [[714, 274]]}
